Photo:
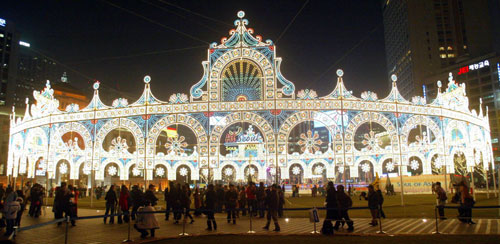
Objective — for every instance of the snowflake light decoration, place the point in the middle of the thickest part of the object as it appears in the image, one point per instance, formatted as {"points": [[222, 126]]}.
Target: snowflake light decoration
{"points": [[160, 172], [438, 163], [183, 171], [318, 170], [365, 167], [176, 145], [390, 166], [309, 142], [228, 171], [296, 170], [63, 168], [251, 171], [118, 145], [136, 171], [371, 141], [112, 171], [414, 165]]}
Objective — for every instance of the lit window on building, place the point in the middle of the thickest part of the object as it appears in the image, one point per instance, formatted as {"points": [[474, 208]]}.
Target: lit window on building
{"points": [[442, 55], [441, 48]]}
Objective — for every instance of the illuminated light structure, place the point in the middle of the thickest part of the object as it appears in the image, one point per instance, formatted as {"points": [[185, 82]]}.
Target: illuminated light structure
{"points": [[244, 119]]}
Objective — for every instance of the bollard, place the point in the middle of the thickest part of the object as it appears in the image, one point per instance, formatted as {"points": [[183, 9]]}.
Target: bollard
{"points": [[437, 224], [314, 217], [251, 231], [128, 235], [66, 232], [184, 225], [380, 231]]}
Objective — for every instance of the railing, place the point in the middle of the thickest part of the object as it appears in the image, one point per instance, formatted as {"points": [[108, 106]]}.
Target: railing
{"points": [[436, 217]]}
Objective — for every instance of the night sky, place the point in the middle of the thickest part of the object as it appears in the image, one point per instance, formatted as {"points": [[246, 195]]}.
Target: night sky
{"points": [[118, 48]]}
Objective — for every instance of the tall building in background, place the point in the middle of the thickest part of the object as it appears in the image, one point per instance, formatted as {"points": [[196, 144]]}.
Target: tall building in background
{"points": [[426, 40], [424, 36], [9, 49]]}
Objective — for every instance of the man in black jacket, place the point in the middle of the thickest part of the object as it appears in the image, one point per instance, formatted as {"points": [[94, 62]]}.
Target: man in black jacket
{"points": [[345, 202], [261, 199], [272, 201], [150, 195], [210, 202], [111, 202], [231, 197]]}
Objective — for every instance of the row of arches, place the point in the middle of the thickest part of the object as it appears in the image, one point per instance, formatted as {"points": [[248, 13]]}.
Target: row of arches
{"points": [[240, 135]]}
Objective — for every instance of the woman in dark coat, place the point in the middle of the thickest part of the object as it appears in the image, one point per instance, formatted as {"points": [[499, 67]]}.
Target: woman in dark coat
{"points": [[111, 202], [373, 204], [186, 202], [331, 202]]}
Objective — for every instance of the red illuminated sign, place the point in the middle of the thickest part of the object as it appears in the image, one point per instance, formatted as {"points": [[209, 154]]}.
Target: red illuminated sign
{"points": [[463, 70]]}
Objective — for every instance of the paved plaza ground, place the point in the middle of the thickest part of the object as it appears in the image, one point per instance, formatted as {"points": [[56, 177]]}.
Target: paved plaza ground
{"points": [[416, 218], [93, 231]]}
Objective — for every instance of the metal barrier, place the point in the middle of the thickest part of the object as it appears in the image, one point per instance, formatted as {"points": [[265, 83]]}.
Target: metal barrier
{"points": [[436, 209], [250, 210]]}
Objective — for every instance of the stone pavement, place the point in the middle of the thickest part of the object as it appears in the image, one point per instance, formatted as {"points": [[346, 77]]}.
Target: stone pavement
{"points": [[93, 231]]}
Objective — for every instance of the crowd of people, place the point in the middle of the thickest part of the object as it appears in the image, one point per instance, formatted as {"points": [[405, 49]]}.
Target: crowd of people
{"points": [[184, 203]]}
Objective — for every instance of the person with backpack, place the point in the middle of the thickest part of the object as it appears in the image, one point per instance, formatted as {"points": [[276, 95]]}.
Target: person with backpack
{"points": [[231, 198], [344, 203], [466, 202], [441, 199], [136, 198], [331, 205]]}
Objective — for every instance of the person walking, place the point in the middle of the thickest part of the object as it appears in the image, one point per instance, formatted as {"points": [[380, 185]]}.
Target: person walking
{"points": [[10, 211], [73, 203], [441, 199], [22, 202], [111, 202], [261, 198], [281, 193], [344, 203], [251, 199], [331, 203], [136, 198], [168, 200], [231, 197], [197, 201], [123, 202], [466, 202], [175, 195], [373, 204], [146, 220], [242, 201], [220, 197], [62, 203], [150, 195], [186, 202], [210, 204], [272, 204]]}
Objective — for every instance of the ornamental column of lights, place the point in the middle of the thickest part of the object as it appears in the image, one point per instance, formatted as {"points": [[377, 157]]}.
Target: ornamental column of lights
{"points": [[394, 78], [340, 73], [443, 135]]}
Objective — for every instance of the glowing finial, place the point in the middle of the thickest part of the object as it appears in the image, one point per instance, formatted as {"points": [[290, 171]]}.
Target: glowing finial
{"points": [[340, 73], [96, 85], [241, 14], [450, 77], [147, 79], [481, 100], [394, 77], [439, 84], [47, 84]]}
